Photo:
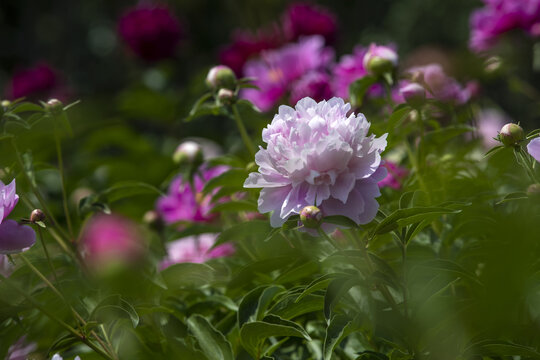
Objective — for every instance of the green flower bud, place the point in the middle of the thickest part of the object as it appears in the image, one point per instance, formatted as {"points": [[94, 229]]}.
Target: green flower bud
{"points": [[311, 217], [37, 215], [55, 106], [226, 97], [220, 77], [188, 152], [511, 134]]}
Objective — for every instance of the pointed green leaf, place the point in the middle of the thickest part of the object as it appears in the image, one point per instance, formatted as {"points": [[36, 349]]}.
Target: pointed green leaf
{"points": [[212, 342]]}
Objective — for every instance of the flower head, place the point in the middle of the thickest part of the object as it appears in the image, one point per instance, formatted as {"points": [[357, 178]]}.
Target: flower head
{"points": [[533, 147], [319, 155], [380, 59], [413, 93], [195, 249], [8, 199], [111, 239], [511, 134], [439, 85], [184, 202], [40, 81], [315, 84], [305, 19], [395, 175], [152, 32], [277, 69]]}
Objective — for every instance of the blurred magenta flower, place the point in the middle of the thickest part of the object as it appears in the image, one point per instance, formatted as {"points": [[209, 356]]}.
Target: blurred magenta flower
{"points": [[500, 16], [195, 249], [412, 93], [8, 199], [21, 349], [395, 175], [107, 240], [318, 154], [349, 69], [488, 124], [40, 81], [302, 19], [533, 147], [184, 202], [439, 85], [277, 69], [151, 31], [315, 84], [15, 238], [246, 45]]}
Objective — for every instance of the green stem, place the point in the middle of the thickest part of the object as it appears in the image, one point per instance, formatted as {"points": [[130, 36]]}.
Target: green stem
{"points": [[63, 183], [55, 318], [243, 132]]}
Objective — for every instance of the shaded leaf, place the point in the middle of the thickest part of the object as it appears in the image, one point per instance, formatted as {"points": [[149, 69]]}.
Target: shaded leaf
{"points": [[212, 342]]}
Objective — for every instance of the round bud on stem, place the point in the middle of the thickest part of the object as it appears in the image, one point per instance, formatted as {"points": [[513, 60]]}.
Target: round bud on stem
{"points": [[55, 106], [221, 77], [226, 97], [37, 215], [311, 217], [511, 134], [188, 152], [533, 190], [380, 60], [414, 94]]}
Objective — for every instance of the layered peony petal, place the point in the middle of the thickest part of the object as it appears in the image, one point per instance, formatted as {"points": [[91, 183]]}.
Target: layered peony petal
{"points": [[15, 238], [534, 148]]}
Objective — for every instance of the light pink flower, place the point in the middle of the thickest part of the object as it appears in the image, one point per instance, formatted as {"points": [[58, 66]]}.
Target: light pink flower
{"points": [[21, 349], [277, 69], [318, 154], [533, 147], [488, 124], [195, 249], [439, 85], [8, 199]]}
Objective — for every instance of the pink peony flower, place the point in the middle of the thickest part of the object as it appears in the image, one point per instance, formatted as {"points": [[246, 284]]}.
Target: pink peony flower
{"points": [[303, 19], [439, 85], [151, 31], [500, 16], [246, 45], [111, 239], [195, 249], [184, 202], [319, 155], [277, 69], [377, 54], [315, 84], [394, 177], [533, 147], [8, 199], [21, 349], [40, 81], [15, 238], [488, 124], [349, 69]]}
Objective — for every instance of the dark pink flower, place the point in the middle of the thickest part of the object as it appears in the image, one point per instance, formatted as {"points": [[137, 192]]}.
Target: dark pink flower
{"points": [[184, 202], [302, 19], [315, 84], [500, 16], [39, 81], [246, 45], [195, 249], [151, 31], [277, 69], [395, 175], [111, 239]]}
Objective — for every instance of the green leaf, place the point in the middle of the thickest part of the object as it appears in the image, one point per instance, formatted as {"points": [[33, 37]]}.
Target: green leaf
{"points": [[199, 108], [451, 267], [187, 275], [371, 355], [235, 206], [494, 150], [288, 308], [358, 89], [254, 228], [212, 342], [399, 114], [501, 348], [253, 334], [339, 327], [518, 195], [335, 291], [126, 189], [253, 306], [340, 220], [403, 217], [320, 283], [112, 306], [443, 135], [533, 133], [25, 107], [233, 177], [246, 274], [247, 104]]}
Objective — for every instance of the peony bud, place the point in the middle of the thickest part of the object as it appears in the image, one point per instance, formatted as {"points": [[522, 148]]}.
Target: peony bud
{"points": [[55, 106], [533, 190], [380, 59], [311, 217], [226, 97], [219, 77], [511, 134], [414, 94], [37, 215], [188, 152]]}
